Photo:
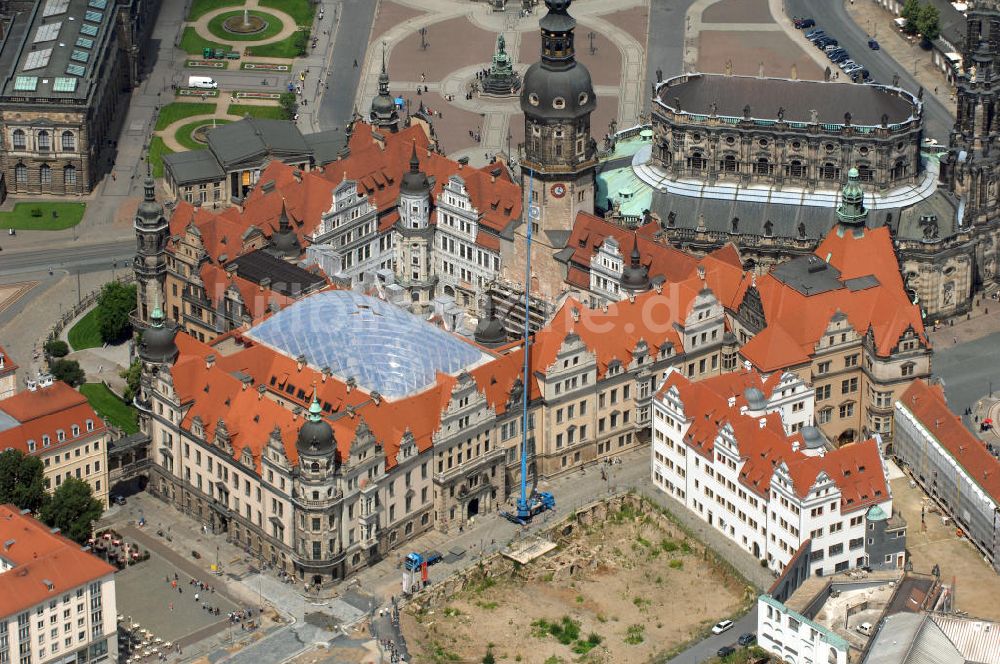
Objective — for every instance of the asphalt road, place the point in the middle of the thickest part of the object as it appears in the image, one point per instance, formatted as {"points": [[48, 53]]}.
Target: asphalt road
{"points": [[706, 649], [967, 370], [83, 257], [666, 49], [831, 16], [350, 44]]}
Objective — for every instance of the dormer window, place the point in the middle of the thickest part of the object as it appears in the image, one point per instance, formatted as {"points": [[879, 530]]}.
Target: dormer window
{"points": [[76, 430], [46, 441], [558, 102], [60, 435], [90, 425]]}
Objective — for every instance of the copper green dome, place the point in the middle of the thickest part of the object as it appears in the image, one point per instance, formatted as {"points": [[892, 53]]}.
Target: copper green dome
{"points": [[316, 435]]}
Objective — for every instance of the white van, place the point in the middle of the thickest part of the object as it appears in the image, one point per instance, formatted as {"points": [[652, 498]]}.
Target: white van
{"points": [[202, 82], [865, 628]]}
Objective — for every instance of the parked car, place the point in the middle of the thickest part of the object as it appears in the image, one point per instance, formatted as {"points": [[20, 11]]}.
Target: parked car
{"points": [[726, 651], [829, 42], [803, 23], [832, 46], [865, 628], [721, 627], [118, 500], [838, 56], [873, 45], [851, 69], [747, 639], [815, 33]]}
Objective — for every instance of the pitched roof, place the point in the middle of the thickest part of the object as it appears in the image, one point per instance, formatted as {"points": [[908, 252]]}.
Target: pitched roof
{"points": [[7, 364], [45, 565], [928, 405], [763, 445]]}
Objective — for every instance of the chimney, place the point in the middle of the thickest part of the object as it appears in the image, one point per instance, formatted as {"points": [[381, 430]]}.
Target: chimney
{"points": [[732, 402], [701, 272], [795, 446], [300, 362], [763, 422], [265, 283], [493, 178], [351, 383], [325, 372], [260, 391], [377, 398], [631, 297], [658, 287], [209, 361], [576, 314]]}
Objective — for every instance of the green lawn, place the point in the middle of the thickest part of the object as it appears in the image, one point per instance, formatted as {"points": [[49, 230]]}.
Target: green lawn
{"points": [[111, 407], [274, 26], [271, 112], [179, 110], [184, 134], [191, 42], [202, 7], [21, 218], [301, 10], [286, 48], [157, 149], [85, 333]]}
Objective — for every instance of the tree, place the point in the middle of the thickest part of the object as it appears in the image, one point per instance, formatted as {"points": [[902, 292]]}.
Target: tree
{"points": [[911, 12], [301, 43], [488, 658], [22, 480], [73, 510], [928, 22], [56, 348], [68, 371], [288, 105], [113, 307], [131, 376]]}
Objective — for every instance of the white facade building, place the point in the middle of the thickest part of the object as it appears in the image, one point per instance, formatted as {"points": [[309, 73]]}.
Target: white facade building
{"points": [[722, 448], [349, 231], [57, 601], [606, 271], [794, 637], [463, 263]]}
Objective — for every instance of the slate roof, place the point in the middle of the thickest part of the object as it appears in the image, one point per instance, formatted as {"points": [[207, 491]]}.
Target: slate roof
{"points": [[866, 103], [286, 278], [193, 167], [236, 142]]}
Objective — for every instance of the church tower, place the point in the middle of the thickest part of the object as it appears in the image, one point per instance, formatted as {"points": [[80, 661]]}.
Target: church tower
{"points": [[414, 235], [558, 157], [151, 233], [972, 169], [384, 113]]}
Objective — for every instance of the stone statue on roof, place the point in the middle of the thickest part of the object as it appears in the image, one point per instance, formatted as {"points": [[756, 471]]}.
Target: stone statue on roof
{"points": [[781, 113], [802, 229], [501, 44], [813, 116], [746, 112], [729, 67]]}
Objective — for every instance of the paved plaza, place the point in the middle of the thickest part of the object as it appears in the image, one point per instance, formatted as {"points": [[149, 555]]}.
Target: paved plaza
{"points": [[146, 598]]}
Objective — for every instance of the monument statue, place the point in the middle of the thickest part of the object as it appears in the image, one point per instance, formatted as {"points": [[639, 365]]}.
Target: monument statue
{"points": [[501, 80]]}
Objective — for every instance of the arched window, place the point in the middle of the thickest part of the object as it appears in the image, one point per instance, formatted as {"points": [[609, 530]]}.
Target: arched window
{"points": [[90, 425], [19, 143], [44, 141], [76, 430], [729, 164], [45, 174], [60, 435], [315, 467], [21, 174], [696, 161], [69, 175], [762, 166], [829, 171], [865, 173], [899, 169], [795, 169], [68, 141]]}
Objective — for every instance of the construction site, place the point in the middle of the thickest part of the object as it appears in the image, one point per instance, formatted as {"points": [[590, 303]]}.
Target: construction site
{"points": [[616, 581]]}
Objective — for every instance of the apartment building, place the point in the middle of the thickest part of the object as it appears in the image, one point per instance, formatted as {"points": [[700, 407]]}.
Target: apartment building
{"points": [[54, 422], [721, 447], [8, 375], [57, 600], [953, 466]]}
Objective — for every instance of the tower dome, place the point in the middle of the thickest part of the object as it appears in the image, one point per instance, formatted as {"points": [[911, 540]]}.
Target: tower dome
{"points": [[557, 87], [284, 241], [415, 181], [490, 331], [852, 209], [156, 346], [383, 109], [316, 435], [635, 277]]}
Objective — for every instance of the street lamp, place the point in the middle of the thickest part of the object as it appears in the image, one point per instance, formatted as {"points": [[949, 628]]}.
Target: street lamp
{"points": [[423, 39]]}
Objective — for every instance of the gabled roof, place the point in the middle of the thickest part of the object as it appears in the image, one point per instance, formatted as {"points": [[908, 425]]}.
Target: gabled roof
{"points": [[928, 405], [9, 366]]}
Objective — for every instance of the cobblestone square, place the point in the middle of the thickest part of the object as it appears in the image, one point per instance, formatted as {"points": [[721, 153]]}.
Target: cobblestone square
{"points": [[146, 597]]}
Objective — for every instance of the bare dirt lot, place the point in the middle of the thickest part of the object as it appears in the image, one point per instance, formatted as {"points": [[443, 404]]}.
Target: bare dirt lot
{"points": [[620, 590]]}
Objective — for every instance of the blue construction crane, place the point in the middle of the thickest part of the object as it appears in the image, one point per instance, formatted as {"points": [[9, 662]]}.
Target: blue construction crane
{"points": [[528, 505]]}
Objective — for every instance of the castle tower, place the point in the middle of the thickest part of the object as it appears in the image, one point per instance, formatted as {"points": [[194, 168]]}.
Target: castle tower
{"points": [[414, 235], [383, 112], [852, 210], [150, 264], [558, 157]]}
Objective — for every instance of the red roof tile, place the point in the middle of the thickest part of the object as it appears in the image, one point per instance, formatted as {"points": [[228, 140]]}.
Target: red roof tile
{"points": [[928, 405], [45, 565]]}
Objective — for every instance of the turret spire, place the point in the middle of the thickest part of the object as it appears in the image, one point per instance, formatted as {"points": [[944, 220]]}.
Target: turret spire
{"points": [[852, 209]]}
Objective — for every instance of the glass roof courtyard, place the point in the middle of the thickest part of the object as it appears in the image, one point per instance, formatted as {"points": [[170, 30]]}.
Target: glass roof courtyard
{"points": [[385, 348]]}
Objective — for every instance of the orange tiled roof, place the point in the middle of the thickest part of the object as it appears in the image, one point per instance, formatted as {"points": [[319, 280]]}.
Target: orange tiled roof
{"points": [[45, 565], [46, 412], [856, 468], [929, 406]]}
